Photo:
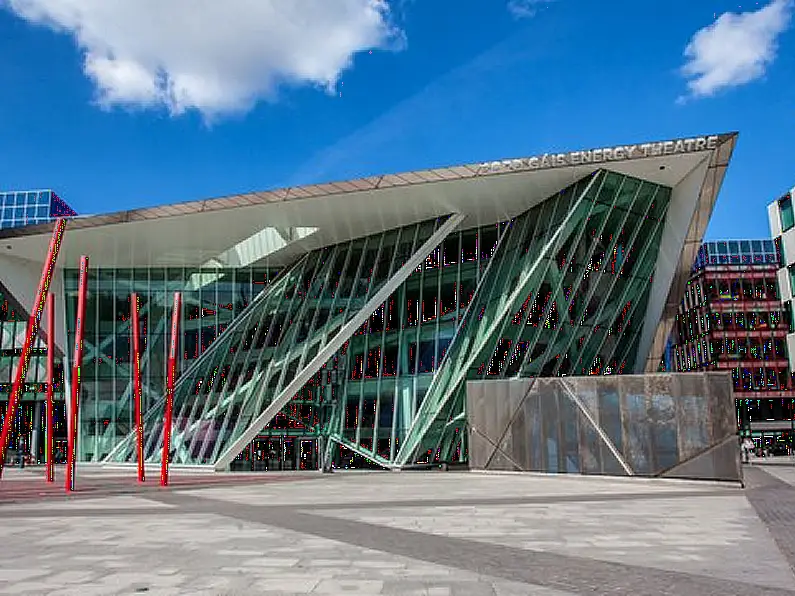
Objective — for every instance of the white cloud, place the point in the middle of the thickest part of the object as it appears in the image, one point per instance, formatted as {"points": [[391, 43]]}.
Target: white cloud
{"points": [[522, 9], [211, 55], [735, 49]]}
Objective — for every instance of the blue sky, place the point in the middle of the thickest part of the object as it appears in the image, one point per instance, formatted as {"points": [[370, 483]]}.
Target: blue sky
{"points": [[118, 104]]}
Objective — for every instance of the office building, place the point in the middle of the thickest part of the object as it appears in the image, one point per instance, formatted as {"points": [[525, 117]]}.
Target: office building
{"points": [[731, 318]]}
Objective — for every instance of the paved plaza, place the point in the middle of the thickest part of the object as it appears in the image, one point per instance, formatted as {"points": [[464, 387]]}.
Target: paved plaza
{"points": [[408, 533]]}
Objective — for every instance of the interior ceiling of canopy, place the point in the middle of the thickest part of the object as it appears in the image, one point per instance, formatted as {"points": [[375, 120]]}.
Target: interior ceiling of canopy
{"points": [[283, 224]]}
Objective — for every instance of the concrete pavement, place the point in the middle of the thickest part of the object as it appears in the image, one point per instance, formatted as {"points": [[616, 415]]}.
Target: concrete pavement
{"points": [[409, 533]]}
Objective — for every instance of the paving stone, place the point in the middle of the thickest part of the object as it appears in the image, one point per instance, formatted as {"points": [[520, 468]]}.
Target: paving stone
{"points": [[346, 586], [71, 577], [26, 587], [296, 585], [15, 574]]}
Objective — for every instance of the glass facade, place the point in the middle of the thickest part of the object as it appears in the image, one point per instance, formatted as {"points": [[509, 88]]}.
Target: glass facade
{"points": [[212, 298], [30, 415], [736, 252], [368, 344], [31, 207]]}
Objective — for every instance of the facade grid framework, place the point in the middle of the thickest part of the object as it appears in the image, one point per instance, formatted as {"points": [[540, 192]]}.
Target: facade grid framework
{"points": [[731, 319], [25, 208]]}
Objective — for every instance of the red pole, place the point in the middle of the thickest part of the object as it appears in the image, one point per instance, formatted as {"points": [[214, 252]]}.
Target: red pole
{"points": [[136, 368], [172, 362], [82, 290], [30, 334], [50, 389]]}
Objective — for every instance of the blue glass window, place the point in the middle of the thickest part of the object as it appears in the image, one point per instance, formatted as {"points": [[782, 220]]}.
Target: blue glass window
{"points": [[787, 215]]}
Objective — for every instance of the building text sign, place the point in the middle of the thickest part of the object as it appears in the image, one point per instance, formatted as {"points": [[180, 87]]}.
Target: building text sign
{"points": [[595, 156]]}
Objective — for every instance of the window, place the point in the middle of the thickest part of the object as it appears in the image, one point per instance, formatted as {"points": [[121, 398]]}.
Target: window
{"points": [[739, 320], [736, 289], [791, 270], [787, 216]]}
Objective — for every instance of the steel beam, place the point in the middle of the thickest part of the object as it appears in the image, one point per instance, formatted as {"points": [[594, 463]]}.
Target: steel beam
{"points": [[48, 440], [82, 293], [136, 371], [172, 364]]}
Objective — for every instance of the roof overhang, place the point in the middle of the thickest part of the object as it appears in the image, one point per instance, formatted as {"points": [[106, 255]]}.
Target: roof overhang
{"points": [[195, 233]]}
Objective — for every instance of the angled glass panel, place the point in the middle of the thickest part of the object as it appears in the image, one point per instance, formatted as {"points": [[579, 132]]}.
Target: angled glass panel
{"points": [[565, 295], [270, 342]]}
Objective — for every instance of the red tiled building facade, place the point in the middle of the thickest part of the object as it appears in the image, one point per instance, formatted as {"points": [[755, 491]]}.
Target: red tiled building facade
{"points": [[731, 318]]}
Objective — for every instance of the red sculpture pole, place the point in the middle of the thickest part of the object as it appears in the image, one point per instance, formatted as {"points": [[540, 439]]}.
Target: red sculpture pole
{"points": [[172, 362], [50, 387], [30, 334], [136, 368], [82, 290]]}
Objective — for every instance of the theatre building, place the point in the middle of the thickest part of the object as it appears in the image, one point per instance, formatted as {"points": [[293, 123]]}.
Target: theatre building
{"points": [[343, 321]]}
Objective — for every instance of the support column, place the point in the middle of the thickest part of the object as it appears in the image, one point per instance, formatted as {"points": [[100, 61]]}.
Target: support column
{"points": [[48, 443], [72, 432], [172, 363]]}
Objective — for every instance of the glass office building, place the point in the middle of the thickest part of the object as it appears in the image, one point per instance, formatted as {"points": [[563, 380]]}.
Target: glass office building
{"points": [[24, 208], [341, 322]]}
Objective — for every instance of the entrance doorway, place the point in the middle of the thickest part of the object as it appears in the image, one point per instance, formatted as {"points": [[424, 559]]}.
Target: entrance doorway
{"points": [[278, 454]]}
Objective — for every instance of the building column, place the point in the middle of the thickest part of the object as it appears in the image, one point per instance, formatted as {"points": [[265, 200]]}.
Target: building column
{"points": [[35, 434]]}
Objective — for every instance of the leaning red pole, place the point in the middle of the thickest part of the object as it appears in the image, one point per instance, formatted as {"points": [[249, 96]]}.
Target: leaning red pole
{"points": [[172, 362], [50, 387], [136, 367], [82, 290], [30, 334]]}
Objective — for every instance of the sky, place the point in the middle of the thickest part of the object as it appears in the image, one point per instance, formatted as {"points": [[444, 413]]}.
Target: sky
{"points": [[119, 104]]}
